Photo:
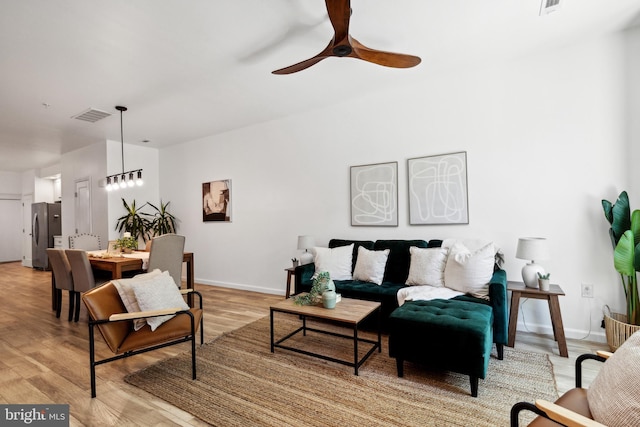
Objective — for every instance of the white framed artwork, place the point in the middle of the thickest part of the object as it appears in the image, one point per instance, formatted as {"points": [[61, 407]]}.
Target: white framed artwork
{"points": [[438, 189], [374, 195]]}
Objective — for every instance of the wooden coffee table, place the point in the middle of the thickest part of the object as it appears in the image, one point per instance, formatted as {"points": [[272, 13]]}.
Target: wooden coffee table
{"points": [[348, 312]]}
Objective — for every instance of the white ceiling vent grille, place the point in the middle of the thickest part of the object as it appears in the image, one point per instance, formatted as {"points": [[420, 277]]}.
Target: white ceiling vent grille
{"points": [[548, 6], [91, 115]]}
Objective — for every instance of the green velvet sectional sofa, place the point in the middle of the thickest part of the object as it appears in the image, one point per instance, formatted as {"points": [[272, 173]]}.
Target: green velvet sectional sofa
{"points": [[395, 276]]}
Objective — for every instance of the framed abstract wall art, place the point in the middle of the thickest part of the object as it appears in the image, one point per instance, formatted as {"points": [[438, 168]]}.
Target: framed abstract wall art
{"points": [[438, 189], [216, 201], [374, 195]]}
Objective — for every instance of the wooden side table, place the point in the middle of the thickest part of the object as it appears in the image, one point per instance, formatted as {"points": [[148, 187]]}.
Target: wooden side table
{"points": [[291, 271], [518, 290]]}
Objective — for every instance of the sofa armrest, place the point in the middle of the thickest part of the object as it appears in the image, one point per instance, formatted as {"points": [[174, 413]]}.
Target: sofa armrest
{"points": [[498, 298], [303, 275]]}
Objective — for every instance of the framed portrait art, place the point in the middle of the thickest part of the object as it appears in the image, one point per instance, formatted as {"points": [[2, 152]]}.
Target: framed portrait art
{"points": [[374, 195], [216, 201], [438, 189]]}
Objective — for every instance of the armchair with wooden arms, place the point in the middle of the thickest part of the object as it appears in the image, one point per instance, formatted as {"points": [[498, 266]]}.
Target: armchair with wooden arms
{"points": [[571, 409], [612, 399], [108, 313]]}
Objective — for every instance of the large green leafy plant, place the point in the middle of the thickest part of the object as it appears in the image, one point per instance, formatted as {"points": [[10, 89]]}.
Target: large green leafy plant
{"points": [[163, 222], [134, 221], [625, 237]]}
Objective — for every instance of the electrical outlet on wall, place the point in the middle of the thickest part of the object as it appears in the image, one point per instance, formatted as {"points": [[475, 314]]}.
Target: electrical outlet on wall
{"points": [[587, 290]]}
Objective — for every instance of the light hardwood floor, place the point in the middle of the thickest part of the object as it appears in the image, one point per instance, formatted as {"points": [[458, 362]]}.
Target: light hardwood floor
{"points": [[45, 360]]}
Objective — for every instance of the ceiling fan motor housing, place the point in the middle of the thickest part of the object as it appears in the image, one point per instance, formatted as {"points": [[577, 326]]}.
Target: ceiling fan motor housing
{"points": [[342, 50]]}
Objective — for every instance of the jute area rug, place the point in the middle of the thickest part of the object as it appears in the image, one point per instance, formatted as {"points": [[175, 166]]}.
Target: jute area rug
{"points": [[241, 383]]}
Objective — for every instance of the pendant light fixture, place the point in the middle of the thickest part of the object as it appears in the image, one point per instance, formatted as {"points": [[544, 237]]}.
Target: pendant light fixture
{"points": [[113, 183]]}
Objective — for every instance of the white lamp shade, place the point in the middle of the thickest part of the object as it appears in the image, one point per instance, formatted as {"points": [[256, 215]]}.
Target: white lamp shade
{"points": [[305, 242], [532, 248]]}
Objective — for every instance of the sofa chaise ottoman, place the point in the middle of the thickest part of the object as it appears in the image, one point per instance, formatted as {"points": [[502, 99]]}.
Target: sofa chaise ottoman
{"points": [[442, 334]]}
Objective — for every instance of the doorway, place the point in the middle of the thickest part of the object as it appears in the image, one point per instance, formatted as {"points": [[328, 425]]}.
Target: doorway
{"points": [[83, 206]]}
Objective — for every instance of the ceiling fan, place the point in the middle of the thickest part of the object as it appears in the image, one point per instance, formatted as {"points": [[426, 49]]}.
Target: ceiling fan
{"points": [[342, 44]]}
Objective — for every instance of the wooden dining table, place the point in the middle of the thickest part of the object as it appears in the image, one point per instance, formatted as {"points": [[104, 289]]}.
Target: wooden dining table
{"points": [[117, 265]]}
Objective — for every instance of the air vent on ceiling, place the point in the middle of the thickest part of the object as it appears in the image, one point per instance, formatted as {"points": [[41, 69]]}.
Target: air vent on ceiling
{"points": [[91, 115], [548, 6]]}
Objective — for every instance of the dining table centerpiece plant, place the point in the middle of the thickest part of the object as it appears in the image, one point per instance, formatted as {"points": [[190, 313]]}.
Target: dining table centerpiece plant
{"points": [[126, 243]]}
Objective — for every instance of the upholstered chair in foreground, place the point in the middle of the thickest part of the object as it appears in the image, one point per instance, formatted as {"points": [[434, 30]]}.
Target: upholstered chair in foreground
{"points": [[612, 398], [141, 314]]}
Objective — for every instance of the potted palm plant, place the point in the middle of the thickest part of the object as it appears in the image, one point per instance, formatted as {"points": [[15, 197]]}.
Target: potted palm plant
{"points": [[134, 221], [625, 238], [163, 222]]}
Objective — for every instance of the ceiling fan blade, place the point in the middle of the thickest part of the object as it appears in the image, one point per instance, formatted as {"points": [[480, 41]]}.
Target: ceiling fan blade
{"points": [[339, 14], [388, 59], [300, 65], [342, 44]]}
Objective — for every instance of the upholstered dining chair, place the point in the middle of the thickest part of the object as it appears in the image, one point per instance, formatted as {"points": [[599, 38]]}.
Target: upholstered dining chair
{"points": [[85, 241], [167, 252], [83, 278], [61, 270]]}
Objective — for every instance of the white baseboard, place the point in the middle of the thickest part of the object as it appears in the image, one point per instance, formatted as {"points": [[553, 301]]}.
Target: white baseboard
{"points": [[574, 334]]}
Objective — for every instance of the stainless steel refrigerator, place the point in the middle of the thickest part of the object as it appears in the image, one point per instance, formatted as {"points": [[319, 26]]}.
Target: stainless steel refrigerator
{"points": [[46, 222]]}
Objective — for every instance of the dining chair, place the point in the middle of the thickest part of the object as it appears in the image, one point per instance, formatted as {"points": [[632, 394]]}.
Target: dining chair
{"points": [[83, 278], [167, 252], [61, 270], [88, 242]]}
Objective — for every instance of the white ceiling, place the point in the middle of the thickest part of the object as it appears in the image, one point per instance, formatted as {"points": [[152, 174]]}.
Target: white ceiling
{"points": [[187, 69]]}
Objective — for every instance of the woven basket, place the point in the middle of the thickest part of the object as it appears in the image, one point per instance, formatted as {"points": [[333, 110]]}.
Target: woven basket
{"points": [[617, 330]]}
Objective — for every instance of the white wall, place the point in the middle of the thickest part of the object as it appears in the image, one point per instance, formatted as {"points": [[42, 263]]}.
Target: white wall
{"points": [[86, 163], [546, 141], [10, 216], [632, 79]]}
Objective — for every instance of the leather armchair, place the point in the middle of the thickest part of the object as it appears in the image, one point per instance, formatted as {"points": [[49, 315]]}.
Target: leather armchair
{"points": [[571, 409], [108, 313]]}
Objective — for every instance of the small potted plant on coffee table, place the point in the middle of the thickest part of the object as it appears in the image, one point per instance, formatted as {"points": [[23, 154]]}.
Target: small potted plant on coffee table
{"points": [[321, 282]]}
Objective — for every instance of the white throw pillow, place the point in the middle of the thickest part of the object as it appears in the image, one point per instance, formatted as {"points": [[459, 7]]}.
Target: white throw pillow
{"points": [[337, 261], [427, 266], [128, 297], [158, 293], [370, 265], [470, 272], [613, 394]]}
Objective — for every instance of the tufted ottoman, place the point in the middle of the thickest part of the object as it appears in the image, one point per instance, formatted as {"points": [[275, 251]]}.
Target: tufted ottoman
{"points": [[442, 334]]}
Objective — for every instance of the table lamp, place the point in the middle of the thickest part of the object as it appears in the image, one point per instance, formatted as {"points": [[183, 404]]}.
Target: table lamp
{"points": [[305, 242], [532, 248]]}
